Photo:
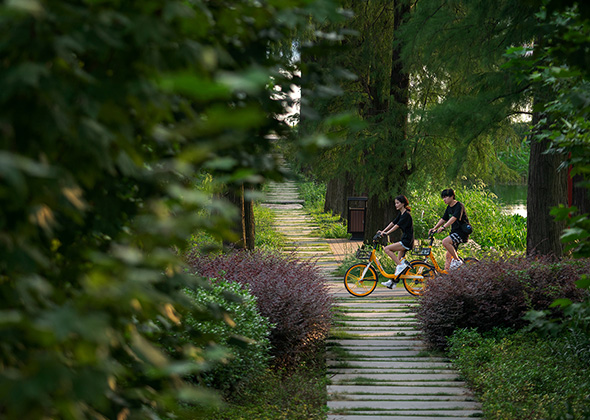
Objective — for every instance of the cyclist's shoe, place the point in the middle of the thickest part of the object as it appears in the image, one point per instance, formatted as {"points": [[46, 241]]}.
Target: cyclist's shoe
{"points": [[390, 284], [455, 264], [401, 267]]}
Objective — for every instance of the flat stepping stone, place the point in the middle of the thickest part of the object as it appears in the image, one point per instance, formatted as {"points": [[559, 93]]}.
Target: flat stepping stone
{"points": [[400, 416], [409, 405], [422, 389]]}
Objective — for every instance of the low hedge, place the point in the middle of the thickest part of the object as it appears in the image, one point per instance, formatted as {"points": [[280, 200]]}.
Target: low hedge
{"points": [[290, 292], [244, 334], [496, 294]]}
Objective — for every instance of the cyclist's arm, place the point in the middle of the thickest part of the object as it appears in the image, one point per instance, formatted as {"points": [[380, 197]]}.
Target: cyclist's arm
{"points": [[438, 224], [391, 227], [443, 223], [448, 223]]}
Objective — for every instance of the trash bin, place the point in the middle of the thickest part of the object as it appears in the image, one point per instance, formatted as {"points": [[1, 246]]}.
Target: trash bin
{"points": [[357, 211]]}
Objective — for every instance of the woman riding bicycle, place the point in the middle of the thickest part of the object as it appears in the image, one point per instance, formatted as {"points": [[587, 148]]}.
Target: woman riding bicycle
{"points": [[404, 222], [456, 217]]}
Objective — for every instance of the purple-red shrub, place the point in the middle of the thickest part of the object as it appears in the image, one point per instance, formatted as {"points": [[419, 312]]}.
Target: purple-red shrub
{"points": [[493, 294], [291, 293]]}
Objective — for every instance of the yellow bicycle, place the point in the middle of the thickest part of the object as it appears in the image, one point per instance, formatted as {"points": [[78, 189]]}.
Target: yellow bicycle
{"points": [[361, 278], [427, 253]]}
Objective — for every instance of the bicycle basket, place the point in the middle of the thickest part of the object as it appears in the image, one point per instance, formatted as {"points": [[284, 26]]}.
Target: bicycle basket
{"points": [[423, 251], [363, 254]]}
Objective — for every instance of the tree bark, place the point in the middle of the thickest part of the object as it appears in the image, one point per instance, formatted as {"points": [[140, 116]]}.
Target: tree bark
{"points": [[249, 225], [243, 226], [379, 214], [580, 196], [547, 187], [337, 192]]}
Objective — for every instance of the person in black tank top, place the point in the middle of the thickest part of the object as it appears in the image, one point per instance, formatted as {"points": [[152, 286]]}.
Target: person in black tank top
{"points": [[404, 222]]}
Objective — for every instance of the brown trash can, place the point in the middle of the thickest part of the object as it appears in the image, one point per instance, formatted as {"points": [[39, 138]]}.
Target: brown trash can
{"points": [[357, 211]]}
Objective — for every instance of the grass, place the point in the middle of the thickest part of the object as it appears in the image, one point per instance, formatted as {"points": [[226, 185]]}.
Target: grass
{"points": [[329, 226], [267, 237], [278, 395], [523, 376]]}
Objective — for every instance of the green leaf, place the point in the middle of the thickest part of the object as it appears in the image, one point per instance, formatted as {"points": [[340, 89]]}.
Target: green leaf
{"points": [[562, 303], [198, 88], [574, 234]]}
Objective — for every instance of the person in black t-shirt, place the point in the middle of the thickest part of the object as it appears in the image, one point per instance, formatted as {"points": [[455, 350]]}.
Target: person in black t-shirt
{"points": [[454, 216], [404, 222]]}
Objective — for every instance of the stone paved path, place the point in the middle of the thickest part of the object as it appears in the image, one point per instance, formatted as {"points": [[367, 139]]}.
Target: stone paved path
{"points": [[378, 366]]}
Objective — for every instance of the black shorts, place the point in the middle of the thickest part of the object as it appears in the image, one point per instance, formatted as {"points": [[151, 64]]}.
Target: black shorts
{"points": [[457, 240]]}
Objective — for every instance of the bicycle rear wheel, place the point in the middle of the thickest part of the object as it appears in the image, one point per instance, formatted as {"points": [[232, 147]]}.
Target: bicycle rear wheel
{"points": [[357, 286], [418, 275]]}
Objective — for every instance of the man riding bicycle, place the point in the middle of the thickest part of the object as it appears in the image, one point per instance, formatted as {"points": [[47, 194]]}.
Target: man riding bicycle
{"points": [[456, 217]]}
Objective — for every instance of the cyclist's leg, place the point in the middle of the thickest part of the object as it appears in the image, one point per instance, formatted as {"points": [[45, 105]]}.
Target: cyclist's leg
{"points": [[448, 259], [391, 249], [401, 254], [455, 240], [449, 244]]}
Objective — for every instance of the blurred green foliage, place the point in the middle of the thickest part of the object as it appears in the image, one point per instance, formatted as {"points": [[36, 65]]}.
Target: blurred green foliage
{"points": [[109, 112]]}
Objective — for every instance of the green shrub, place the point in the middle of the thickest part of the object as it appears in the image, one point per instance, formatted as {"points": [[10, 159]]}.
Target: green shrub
{"points": [[522, 375], [290, 292], [245, 333], [493, 294]]}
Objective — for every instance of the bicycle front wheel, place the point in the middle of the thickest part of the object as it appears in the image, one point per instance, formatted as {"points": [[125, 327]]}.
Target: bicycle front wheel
{"points": [[416, 278], [358, 286]]}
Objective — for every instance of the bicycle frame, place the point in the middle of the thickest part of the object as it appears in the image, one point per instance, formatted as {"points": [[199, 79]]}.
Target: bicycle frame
{"points": [[373, 259], [430, 256]]}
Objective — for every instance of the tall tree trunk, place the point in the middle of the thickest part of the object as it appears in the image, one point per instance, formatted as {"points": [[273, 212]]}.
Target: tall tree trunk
{"points": [[379, 214], [547, 187], [337, 192], [249, 225], [580, 196], [243, 226]]}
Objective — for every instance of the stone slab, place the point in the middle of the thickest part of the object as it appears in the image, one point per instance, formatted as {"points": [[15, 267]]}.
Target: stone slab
{"points": [[421, 389], [410, 363], [405, 405], [371, 342], [395, 377], [405, 416]]}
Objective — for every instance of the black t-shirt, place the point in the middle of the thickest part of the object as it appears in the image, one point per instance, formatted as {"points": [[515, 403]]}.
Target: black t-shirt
{"points": [[458, 210], [406, 224]]}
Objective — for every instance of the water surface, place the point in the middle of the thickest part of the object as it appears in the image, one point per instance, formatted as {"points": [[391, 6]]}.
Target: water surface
{"points": [[513, 197]]}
